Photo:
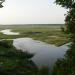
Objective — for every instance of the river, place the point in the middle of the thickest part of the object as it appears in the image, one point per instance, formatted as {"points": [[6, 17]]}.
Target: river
{"points": [[45, 54]]}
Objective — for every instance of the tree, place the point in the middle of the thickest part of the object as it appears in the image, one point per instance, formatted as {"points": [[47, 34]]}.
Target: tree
{"points": [[66, 66], [1, 1], [66, 3]]}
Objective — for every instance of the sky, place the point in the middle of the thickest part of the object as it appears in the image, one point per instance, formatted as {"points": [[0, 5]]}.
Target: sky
{"points": [[31, 12]]}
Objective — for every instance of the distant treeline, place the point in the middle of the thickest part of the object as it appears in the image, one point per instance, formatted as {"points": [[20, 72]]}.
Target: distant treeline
{"points": [[34, 24], [11, 26]]}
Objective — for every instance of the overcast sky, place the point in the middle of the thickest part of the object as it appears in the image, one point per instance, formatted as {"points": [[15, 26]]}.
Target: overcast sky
{"points": [[31, 12]]}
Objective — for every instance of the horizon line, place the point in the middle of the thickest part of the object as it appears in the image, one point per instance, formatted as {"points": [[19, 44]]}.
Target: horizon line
{"points": [[31, 24]]}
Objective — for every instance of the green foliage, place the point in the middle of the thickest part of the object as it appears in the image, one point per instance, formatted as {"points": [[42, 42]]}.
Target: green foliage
{"points": [[17, 62], [65, 3], [66, 66], [1, 6], [70, 21], [62, 29], [1, 1], [43, 71], [5, 44]]}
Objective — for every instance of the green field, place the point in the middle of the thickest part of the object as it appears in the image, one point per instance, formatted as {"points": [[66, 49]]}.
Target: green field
{"points": [[51, 34]]}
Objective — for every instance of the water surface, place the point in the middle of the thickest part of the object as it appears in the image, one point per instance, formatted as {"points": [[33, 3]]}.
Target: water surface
{"points": [[45, 54], [9, 32]]}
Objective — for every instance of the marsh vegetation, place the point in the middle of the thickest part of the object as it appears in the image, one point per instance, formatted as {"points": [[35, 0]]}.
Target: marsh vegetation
{"points": [[51, 34]]}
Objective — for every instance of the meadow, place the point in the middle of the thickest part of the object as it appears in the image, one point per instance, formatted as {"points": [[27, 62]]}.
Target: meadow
{"points": [[51, 34]]}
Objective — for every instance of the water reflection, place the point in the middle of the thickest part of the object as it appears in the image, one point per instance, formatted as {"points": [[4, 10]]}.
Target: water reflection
{"points": [[8, 32], [45, 54]]}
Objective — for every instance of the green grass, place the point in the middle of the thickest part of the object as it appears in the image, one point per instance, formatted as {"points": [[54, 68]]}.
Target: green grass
{"points": [[48, 34]]}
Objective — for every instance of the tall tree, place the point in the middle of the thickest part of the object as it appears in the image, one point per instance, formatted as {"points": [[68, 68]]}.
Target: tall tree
{"points": [[66, 3], [1, 1], [66, 66]]}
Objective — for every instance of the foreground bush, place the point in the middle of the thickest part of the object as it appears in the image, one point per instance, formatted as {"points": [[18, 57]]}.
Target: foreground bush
{"points": [[17, 62]]}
